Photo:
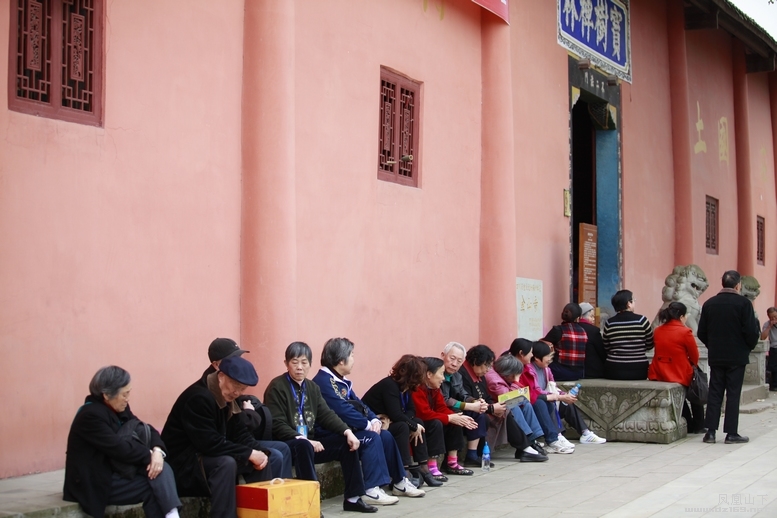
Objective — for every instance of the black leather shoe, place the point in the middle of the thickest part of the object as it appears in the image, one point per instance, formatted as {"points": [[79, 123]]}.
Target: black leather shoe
{"points": [[416, 481], [709, 437], [359, 506], [539, 448], [532, 457], [735, 438], [430, 480]]}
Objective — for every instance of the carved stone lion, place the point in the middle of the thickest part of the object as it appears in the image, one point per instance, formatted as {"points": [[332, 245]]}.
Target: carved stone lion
{"points": [[685, 284], [751, 288]]}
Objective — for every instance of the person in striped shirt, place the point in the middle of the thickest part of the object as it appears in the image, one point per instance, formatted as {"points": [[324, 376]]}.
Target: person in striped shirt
{"points": [[626, 336]]}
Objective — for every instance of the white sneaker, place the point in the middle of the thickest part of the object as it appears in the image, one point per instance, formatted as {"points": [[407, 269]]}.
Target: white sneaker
{"points": [[381, 499], [557, 447], [563, 440], [406, 488], [591, 438]]}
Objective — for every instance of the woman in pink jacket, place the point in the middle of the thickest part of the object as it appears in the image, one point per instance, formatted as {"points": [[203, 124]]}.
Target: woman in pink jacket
{"points": [[537, 376]]}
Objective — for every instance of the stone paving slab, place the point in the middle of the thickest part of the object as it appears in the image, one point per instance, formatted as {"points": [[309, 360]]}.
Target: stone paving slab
{"points": [[627, 480]]}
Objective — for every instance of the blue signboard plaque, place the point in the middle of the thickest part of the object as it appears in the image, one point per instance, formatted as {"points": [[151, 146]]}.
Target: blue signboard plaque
{"points": [[598, 30]]}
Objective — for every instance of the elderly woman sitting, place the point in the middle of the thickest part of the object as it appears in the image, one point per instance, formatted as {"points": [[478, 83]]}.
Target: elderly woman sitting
{"points": [[507, 369], [104, 465], [473, 371]]}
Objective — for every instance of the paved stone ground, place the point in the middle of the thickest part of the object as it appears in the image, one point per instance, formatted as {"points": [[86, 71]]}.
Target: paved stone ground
{"points": [[684, 479]]}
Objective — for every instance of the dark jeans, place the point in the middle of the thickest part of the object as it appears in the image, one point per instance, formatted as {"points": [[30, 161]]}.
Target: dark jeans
{"points": [[549, 418], [372, 454], [221, 474], [335, 448], [546, 415], [481, 431], [280, 457], [625, 371], [515, 436], [434, 441], [771, 366], [527, 420], [159, 496], [694, 416], [566, 373], [728, 380], [454, 437]]}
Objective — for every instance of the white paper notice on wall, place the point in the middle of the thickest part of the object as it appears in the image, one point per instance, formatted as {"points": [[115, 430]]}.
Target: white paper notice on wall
{"points": [[528, 297]]}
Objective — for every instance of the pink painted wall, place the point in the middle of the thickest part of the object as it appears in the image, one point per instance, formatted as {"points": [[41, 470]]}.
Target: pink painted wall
{"points": [[711, 85], [648, 171], [541, 125], [393, 268], [121, 242], [763, 185]]}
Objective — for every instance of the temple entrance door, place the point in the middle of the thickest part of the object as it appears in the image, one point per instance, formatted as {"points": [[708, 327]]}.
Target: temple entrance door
{"points": [[595, 178]]}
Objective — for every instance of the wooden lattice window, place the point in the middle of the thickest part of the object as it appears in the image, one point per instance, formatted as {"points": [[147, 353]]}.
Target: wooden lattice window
{"points": [[712, 225], [760, 231], [55, 59], [399, 128]]}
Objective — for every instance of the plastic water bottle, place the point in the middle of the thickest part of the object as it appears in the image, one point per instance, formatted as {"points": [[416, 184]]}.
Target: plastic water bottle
{"points": [[575, 390], [486, 466]]}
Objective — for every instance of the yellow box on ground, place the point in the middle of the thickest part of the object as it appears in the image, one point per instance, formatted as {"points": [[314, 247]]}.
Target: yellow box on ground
{"points": [[279, 498]]}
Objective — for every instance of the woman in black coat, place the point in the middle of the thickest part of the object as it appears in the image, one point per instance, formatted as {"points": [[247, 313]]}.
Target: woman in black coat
{"points": [[97, 453], [390, 397]]}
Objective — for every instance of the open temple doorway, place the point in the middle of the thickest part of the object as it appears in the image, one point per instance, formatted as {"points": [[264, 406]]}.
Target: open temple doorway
{"points": [[595, 187]]}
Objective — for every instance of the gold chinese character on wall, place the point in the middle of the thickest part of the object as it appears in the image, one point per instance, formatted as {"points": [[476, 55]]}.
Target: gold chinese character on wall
{"points": [[723, 140], [700, 146]]}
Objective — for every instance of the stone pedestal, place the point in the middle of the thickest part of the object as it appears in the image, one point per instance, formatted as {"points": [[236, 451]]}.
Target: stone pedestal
{"points": [[634, 411]]}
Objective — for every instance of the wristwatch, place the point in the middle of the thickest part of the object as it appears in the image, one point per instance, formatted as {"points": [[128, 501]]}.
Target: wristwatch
{"points": [[160, 450]]}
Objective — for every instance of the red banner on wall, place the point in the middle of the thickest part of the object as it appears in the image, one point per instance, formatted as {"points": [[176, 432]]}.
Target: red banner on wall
{"points": [[498, 7]]}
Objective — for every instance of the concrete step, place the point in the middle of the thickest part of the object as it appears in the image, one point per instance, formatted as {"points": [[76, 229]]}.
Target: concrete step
{"points": [[752, 393], [759, 405]]}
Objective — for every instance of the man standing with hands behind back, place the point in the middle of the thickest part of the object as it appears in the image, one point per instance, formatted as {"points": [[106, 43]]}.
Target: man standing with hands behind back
{"points": [[729, 329]]}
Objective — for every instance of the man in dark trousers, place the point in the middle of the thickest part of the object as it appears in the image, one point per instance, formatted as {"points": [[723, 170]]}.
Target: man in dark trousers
{"points": [[729, 329], [208, 446]]}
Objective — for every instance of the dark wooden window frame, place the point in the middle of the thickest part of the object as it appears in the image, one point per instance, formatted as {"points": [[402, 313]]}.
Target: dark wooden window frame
{"points": [[760, 232], [711, 224], [399, 128], [55, 66]]}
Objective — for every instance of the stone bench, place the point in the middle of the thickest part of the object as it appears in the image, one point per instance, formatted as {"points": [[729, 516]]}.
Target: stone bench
{"points": [[330, 476], [632, 411]]}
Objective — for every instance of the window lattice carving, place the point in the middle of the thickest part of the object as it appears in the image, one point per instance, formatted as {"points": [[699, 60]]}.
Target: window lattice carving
{"points": [[760, 226], [33, 50], [712, 225], [399, 128], [56, 59]]}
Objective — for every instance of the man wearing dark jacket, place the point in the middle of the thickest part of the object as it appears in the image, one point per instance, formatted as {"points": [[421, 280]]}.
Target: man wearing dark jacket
{"points": [[298, 411], [254, 414], [207, 445], [729, 329]]}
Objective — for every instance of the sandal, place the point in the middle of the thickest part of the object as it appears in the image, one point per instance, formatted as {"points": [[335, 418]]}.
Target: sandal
{"points": [[457, 470], [440, 478]]}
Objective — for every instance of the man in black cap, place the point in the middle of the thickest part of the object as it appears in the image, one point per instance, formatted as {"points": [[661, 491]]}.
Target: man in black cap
{"points": [[255, 416], [207, 446]]}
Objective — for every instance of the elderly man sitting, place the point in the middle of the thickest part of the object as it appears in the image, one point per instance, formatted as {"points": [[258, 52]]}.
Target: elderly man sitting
{"points": [[206, 448]]}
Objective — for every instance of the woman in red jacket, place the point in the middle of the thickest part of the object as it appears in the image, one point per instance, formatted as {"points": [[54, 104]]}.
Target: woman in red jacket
{"points": [[430, 406], [675, 355]]}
